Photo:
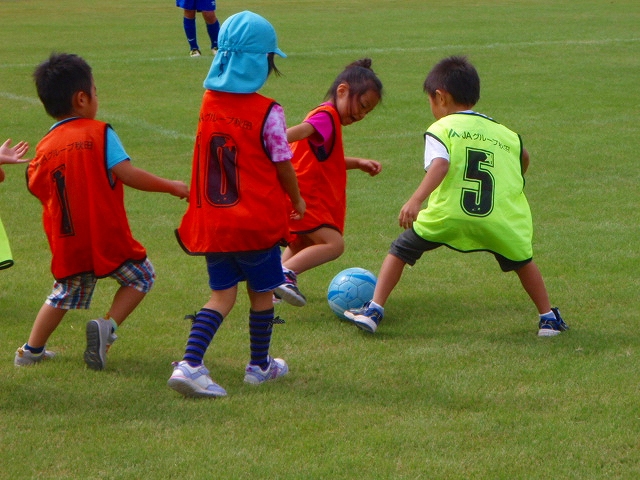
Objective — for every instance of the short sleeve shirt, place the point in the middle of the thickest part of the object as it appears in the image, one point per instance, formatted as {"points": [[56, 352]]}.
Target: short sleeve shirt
{"points": [[115, 150], [435, 149], [275, 135]]}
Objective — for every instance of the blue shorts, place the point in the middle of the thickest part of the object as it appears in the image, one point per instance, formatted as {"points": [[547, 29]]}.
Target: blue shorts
{"points": [[262, 270], [76, 292], [199, 5]]}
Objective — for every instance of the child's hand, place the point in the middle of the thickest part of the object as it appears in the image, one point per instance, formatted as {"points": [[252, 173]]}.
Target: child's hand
{"points": [[371, 167], [434, 176], [13, 154], [298, 210], [409, 213], [181, 190]]}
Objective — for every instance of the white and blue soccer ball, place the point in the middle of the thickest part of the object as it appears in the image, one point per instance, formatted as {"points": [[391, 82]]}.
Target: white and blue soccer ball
{"points": [[351, 288]]}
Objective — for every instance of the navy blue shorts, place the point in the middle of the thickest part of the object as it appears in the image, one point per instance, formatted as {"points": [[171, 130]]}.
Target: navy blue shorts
{"points": [[261, 270], [199, 5]]}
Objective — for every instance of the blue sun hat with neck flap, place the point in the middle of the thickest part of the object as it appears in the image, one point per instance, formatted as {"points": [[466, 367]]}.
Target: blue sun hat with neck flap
{"points": [[241, 64]]}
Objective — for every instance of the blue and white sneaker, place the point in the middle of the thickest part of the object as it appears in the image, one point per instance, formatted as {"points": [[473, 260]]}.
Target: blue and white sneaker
{"points": [[289, 291], [25, 357], [552, 327], [100, 337], [194, 381], [366, 318], [255, 375]]}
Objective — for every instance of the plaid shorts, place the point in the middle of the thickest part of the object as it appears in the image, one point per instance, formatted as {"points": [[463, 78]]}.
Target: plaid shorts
{"points": [[76, 292]]}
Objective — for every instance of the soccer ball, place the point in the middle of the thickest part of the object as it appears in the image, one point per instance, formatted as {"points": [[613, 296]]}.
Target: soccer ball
{"points": [[351, 288]]}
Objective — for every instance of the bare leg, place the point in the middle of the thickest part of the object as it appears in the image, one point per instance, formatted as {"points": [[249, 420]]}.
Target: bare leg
{"points": [[124, 302], [389, 276], [222, 301], [209, 17], [46, 322], [295, 247], [312, 250], [533, 283], [260, 301]]}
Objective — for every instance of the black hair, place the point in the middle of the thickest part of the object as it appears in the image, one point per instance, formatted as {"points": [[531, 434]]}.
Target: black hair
{"points": [[272, 65], [457, 76], [360, 78], [58, 79]]}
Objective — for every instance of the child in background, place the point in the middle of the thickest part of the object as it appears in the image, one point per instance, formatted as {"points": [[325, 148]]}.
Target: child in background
{"points": [[9, 155], [474, 183], [320, 163], [78, 175], [241, 184], [208, 10]]}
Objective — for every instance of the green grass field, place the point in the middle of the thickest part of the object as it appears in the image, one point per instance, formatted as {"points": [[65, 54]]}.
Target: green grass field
{"points": [[455, 384]]}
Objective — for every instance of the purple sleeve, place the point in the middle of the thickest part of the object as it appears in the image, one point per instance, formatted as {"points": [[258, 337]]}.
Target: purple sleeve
{"points": [[275, 135]]}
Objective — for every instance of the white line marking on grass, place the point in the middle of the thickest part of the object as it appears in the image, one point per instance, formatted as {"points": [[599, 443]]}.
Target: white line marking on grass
{"points": [[20, 98], [111, 118], [136, 122], [350, 51], [325, 52], [338, 51], [102, 61]]}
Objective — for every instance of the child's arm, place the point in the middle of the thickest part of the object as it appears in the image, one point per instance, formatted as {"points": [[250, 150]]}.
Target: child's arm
{"points": [[142, 180], [525, 161], [289, 182], [300, 132], [434, 176], [372, 167]]}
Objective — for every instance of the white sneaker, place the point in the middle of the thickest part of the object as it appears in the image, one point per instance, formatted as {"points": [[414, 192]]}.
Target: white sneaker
{"points": [[255, 375], [366, 318], [25, 358], [194, 381]]}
